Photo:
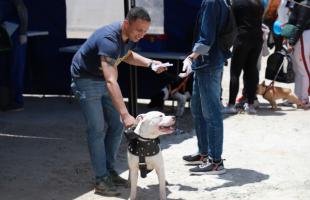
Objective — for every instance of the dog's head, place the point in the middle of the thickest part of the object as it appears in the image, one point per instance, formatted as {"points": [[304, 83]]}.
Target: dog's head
{"points": [[153, 124], [261, 88]]}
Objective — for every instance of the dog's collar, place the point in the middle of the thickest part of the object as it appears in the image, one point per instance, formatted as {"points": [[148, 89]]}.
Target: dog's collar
{"points": [[131, 135]]}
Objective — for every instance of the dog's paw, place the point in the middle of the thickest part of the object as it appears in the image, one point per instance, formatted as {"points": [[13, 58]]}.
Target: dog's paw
{"points": [[275, 108]]}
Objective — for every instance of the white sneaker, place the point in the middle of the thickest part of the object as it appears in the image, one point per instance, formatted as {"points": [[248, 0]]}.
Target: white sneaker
{"points": [[230, 109], [249, 109], [305, 106]]}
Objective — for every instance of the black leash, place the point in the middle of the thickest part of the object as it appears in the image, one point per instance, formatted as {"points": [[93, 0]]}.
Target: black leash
{"points": [[271, 85]]}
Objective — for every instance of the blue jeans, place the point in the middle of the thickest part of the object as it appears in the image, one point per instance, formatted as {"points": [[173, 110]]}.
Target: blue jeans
{"points": [[17, 73], [104, 128], [206, 111]]}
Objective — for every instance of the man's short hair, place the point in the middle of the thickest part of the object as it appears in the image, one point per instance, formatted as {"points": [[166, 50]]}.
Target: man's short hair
{"points": [[138, 13]]}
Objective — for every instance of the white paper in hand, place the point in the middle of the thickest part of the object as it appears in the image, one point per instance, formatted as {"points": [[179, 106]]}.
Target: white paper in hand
{"points": [[156, 66]]}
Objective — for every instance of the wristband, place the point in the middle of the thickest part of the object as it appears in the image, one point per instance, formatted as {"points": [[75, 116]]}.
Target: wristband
{"points": [[150, 64]]}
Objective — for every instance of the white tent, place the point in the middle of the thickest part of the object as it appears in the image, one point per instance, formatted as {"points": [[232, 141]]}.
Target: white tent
{"points": [[83, 17]]}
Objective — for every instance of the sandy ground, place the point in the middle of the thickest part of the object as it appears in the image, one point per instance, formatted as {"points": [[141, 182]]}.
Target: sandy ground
{"points": [[43, 155]]}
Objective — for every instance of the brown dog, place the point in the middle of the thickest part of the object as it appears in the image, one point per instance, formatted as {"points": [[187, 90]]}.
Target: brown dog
{"points": [[272, 93]]}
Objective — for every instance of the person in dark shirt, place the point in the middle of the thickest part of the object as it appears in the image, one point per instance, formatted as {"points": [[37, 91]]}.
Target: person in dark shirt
{"points": [[94, 83], [246, 51]]}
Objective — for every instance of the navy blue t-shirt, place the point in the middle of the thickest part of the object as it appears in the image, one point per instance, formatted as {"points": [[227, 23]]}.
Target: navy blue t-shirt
{"points": [[106, 41]]}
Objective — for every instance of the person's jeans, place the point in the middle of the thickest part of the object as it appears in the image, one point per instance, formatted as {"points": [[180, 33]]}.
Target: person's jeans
{"points": [[12, 68], [104, 128], [17, 70], [206, 111]]}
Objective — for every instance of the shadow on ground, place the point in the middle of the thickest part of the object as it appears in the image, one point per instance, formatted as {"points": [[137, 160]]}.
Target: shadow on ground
{"points": [[236, 177]]}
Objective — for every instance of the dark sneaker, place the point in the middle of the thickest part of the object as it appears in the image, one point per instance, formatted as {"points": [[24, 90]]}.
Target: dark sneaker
{"points": [[249, 109], [105, 187], [229, 109], [240, 102], [210, 168], [117, 180], [195, 159]]}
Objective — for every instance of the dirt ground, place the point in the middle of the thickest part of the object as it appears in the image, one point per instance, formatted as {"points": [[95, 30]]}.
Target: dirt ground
{"points": [[43, 155]]}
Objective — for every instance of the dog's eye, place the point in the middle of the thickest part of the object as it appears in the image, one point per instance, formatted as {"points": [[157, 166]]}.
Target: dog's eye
{"points": [[160, 115]]}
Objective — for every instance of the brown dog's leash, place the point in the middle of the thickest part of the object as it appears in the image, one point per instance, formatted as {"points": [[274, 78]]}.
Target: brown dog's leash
{"points": [[270, 86]]}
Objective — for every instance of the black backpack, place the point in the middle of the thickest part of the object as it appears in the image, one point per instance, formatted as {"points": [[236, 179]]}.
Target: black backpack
{"points": [[229, 33], [280, 68]]}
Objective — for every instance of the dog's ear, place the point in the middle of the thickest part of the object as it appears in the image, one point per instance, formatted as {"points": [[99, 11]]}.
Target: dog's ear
{"points": [[140, 117], [139, 120]]}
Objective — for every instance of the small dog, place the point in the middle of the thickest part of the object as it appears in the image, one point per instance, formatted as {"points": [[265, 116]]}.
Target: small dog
{"points": [[273, 93], [150, 126], [176, 88]]}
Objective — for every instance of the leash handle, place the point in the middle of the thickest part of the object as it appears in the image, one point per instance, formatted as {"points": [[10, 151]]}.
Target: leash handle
{"points": [[130, 132]]}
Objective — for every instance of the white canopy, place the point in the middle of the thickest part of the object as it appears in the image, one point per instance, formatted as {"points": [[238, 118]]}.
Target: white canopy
{"points": [[84, 17]]}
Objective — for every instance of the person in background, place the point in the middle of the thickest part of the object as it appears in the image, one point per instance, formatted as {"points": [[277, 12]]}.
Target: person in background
{"points": [[94, 83], [14, 18], [246, 50], [283, 13], [207, 61], [298, 44]]}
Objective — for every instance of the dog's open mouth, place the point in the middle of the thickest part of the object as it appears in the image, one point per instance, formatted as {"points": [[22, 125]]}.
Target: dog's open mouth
{"points": [[167, 128]]}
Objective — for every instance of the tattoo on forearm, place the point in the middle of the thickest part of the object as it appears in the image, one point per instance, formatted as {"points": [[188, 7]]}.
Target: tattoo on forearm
{"points": [[109, 60]]}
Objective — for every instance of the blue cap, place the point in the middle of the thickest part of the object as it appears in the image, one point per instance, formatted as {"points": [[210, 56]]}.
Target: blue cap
{"points": [[277, 27], [265, 3]]}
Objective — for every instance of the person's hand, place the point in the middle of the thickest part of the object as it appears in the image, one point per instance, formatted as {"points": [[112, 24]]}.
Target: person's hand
{"points": [[156, 67], [128, 121], [23, 39], [289, 47], [187, 67]]}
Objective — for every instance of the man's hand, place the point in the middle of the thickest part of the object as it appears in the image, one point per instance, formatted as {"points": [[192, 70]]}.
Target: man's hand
{"points": [[156, 67], [187, 67], [128, 120]]}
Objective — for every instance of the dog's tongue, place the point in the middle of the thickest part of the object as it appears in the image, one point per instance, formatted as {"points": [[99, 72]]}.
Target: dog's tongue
{"points": [[166, 129]]}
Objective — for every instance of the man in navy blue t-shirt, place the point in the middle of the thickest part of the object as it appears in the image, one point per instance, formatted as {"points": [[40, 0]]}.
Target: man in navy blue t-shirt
{"points": [[94, 74]]}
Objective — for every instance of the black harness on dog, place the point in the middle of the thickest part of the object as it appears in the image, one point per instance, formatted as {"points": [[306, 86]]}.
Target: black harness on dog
{"points": [[142, 147]]}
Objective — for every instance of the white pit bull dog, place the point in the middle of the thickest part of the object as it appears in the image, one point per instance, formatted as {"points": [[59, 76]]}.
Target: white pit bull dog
{"points": [[144, 153]]}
